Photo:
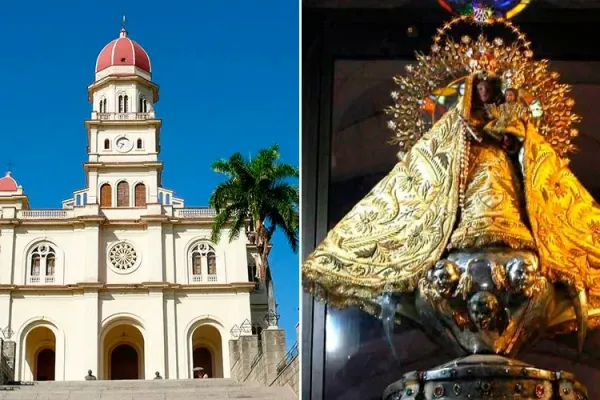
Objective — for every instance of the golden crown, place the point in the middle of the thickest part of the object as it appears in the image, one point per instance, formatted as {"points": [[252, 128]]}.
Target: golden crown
{"points": [[434, 75]]}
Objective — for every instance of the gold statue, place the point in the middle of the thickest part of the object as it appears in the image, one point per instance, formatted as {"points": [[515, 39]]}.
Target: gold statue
{"points": [[486, 174]]}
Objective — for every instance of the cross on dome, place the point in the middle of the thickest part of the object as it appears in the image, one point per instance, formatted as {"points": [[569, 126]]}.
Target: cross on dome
{"points": [[123, 52], [123, 33]]}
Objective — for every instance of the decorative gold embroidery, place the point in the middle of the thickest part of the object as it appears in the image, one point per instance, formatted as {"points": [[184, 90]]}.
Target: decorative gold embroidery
{"points": [[399, 229]]}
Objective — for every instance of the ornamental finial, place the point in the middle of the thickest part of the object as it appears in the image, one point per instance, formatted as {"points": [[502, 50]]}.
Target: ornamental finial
{"points": [[123, 25]]}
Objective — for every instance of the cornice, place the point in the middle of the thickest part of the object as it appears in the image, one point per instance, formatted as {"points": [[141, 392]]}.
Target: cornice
{"points": [[123, 78], [94, 166], [103, 221], [155, 218], [157, 122], [145, 287]]}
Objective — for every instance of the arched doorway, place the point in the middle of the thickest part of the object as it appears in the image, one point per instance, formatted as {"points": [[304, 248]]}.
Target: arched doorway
{"points": [[46, 362], [207, 351], [40, 354], [124, 363], [122, 355], [203, 358]]}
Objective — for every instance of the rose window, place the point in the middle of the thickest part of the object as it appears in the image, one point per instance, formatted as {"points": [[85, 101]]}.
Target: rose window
{"points": [[123, 256]]}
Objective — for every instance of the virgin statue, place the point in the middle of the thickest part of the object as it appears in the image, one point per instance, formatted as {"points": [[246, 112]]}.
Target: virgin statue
{"points": [[488, 176]]}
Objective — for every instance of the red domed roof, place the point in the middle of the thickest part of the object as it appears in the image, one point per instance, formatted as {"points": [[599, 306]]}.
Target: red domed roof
{"points": [[123, 51], [8, 183]]}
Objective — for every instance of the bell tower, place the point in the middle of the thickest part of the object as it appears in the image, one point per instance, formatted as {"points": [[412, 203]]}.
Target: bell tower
{"points": [[123, 131]]}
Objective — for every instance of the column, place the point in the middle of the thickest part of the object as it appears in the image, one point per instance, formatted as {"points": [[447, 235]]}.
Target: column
{"points": [[91, 256], [154, 340], [155, 252], [171, 321], [7, 250]]}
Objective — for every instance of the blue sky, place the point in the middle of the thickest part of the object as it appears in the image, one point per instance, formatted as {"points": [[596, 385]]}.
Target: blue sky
{"points": [[228, 76]]}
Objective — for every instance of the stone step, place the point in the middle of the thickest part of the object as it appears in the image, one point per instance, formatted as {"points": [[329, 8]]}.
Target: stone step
{"points": [[213, 389], [136, 383]]}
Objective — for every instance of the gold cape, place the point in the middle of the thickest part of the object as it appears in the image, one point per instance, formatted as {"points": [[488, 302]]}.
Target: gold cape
{"points": [[389, 240]]}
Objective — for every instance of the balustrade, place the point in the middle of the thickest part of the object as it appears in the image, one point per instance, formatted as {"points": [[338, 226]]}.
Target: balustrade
{"points": [[123, 116], [200, 212]]}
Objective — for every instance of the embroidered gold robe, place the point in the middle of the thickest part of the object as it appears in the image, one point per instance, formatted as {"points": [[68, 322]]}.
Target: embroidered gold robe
{"points": [[409, 220]]}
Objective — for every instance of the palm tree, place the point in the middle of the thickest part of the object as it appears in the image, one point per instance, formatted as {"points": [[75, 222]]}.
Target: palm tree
{"points": [[257, 196]]}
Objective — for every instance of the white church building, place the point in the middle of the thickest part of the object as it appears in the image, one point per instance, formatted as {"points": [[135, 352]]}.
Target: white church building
{"points": [[122, 280]]}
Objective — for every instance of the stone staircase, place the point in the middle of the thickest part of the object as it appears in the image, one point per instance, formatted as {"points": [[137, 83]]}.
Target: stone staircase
{"points": [[211, 389]]}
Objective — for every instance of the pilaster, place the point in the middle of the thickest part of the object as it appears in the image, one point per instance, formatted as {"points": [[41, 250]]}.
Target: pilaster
{"points": [[91, 330], [155, 331], [7, 251], [91, 256], [155, 252], [5, 310], [93, 187], [172, 371], [169, 253]]}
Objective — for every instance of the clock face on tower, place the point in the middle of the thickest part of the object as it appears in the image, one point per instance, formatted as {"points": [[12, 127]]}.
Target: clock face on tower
{"points": [[123, 144]]}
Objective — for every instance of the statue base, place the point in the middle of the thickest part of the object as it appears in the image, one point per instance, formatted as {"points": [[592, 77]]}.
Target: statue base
{"points": [[488, 377]]}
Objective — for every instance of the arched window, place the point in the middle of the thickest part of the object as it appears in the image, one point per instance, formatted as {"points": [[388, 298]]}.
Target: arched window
{"points": [[160, 197], [212, 263], [203, 262], [50, 264], [106, 195], [42, 264], [36, 261], [168, 199], [197, 264], [84, 199], [143, 106], [102, 105], [140, 144], [78, 200], [123, 194], [123, 103], [140, 195], [106, 144]]}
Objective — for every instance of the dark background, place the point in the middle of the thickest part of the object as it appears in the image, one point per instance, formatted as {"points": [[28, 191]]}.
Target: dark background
{"points": [[351, 49]]}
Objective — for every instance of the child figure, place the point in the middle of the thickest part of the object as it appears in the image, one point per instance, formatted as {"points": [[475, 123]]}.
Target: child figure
{"points": [[505, 114], [504, 117]]}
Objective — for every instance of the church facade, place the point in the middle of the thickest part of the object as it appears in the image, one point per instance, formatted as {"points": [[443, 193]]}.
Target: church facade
{"points": [[122, 280]]}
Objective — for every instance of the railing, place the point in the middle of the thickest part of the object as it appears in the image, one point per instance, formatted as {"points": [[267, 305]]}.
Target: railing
{"points": [[123, 116], [205, 279], [43, 214], [200, 212], [38, 279], [289, 357]]}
